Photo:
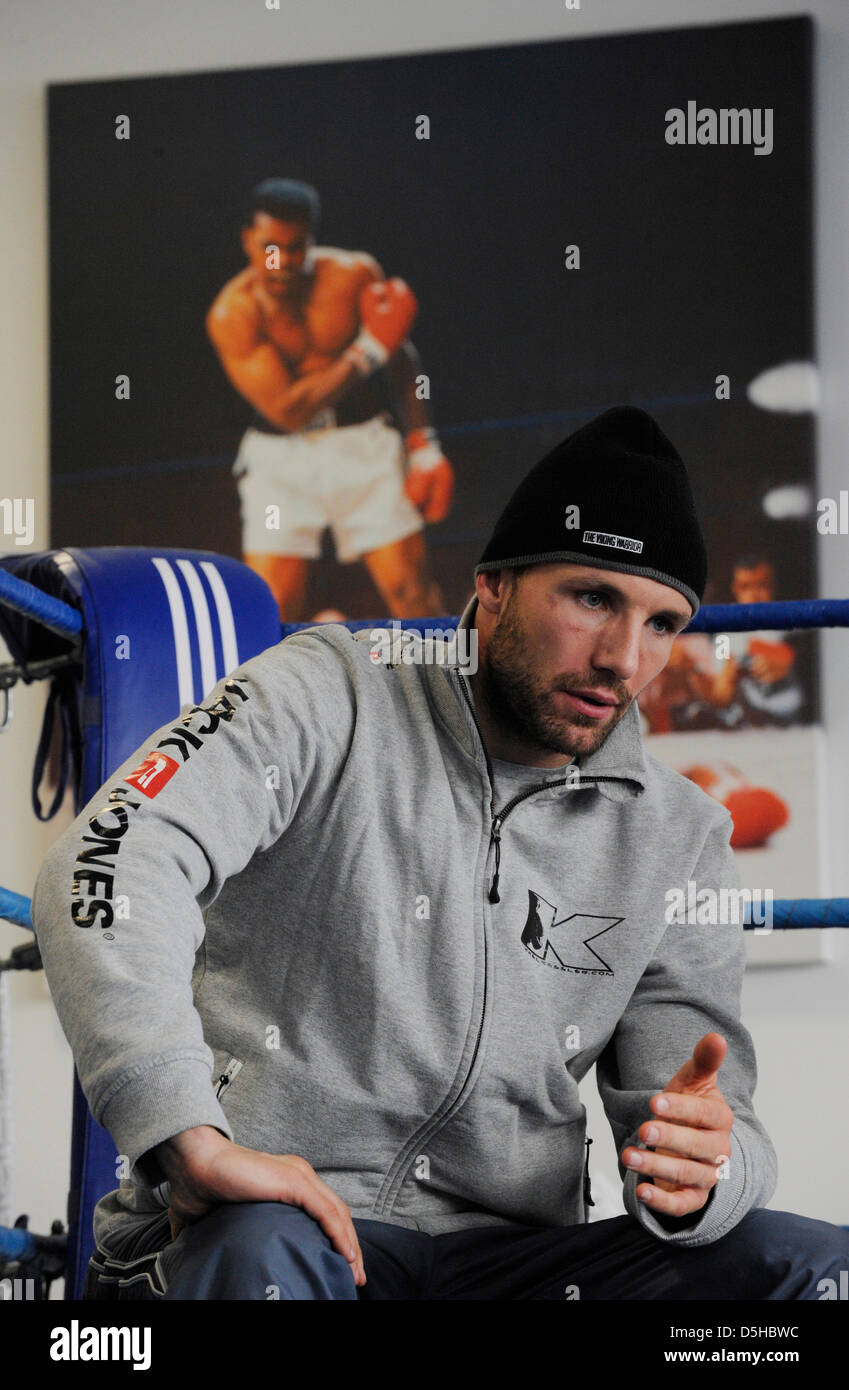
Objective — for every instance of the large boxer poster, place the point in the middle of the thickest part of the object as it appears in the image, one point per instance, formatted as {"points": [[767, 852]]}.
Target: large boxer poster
{"points": [[326, 316]]}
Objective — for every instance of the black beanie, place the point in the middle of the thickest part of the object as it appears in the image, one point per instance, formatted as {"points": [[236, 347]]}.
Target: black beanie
{"points": [[615, 495]]}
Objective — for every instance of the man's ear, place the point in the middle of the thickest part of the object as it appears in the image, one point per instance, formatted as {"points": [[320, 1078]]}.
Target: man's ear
{"points": [[492, 588]]}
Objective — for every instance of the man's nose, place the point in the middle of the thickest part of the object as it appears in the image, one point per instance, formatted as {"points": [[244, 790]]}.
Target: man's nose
{"points": [[619, 647]]}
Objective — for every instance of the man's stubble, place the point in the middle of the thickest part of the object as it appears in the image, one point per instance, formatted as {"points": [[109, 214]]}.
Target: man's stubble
{"points": [[519, 700]]}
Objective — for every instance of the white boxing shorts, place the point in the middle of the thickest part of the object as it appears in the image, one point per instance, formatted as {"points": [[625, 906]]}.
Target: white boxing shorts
{"points": [[348, 477]]}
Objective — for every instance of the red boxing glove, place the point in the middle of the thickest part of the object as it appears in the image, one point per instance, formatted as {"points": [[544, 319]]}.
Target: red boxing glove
{"points": [[429, 483], [770, 661], [388, 310], [756, 812]]}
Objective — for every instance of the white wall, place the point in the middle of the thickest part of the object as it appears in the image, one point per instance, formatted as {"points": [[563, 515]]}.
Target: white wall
{"points": [[796, 1014]]}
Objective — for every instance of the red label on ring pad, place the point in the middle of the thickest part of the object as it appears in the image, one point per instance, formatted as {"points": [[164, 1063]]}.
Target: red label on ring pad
{"points": [[151, 775]]}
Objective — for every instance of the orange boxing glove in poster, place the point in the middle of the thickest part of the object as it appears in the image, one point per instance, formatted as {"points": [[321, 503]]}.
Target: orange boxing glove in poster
{"points": [[429, 483], [388, 310], [756, 812], [770, 661]]}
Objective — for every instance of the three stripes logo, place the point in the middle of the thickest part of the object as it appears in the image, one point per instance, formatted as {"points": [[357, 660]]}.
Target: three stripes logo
{"points": [[205, 600], [564, 943]]}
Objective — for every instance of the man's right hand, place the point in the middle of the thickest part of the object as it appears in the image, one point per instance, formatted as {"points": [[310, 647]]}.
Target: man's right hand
{"points": [[204, 1168]]}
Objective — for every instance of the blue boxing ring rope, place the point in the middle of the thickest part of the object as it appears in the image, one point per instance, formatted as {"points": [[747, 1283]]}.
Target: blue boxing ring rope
{"points": [[781, 614], [14, 907], [787, 913], [32, 602]]}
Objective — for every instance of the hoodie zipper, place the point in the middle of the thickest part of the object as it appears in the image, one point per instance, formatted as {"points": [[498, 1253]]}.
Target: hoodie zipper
{"points": [[229, 1074], [588, 1191], [499, 817], [395, 1177]]}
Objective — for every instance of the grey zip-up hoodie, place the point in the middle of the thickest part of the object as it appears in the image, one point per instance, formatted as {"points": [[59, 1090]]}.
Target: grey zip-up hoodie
{"points": [[302, 914]]}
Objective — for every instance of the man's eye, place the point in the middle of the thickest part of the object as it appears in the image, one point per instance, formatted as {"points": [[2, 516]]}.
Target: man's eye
{"points": [[592, 593]]}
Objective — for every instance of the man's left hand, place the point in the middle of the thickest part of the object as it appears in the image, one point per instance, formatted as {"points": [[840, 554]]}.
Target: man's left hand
{"points": [[690, 1136]]}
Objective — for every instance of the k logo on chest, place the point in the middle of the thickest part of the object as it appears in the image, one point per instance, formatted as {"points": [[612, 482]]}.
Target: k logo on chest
{"points": [[564, 943]]}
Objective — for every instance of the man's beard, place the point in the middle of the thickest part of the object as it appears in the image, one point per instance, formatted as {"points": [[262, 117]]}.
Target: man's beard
{"points": [[522, 704]]}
